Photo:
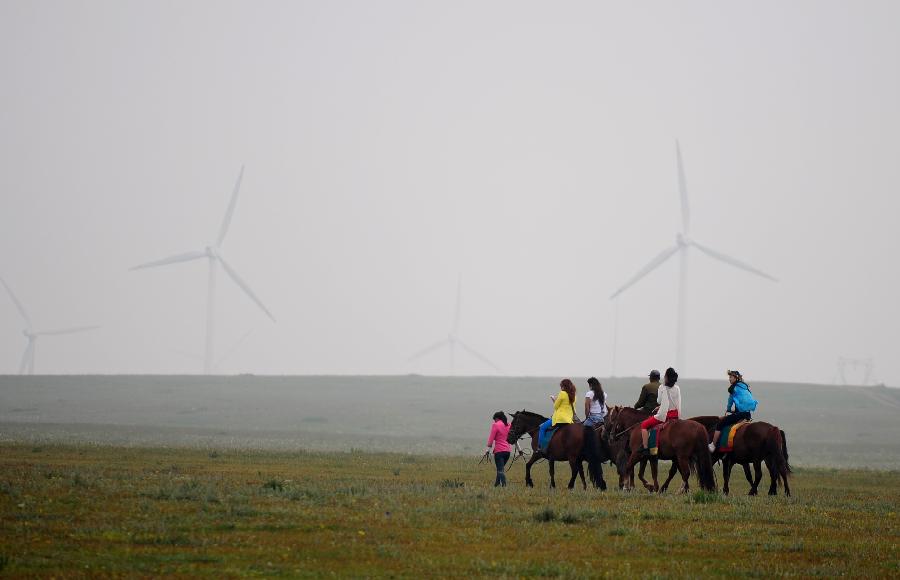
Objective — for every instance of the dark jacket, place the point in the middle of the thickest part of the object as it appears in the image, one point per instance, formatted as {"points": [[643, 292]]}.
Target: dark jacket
{"points": [[647, 401]]}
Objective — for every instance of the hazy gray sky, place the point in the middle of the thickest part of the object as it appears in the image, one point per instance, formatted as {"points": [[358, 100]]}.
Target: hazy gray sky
{"points": [[390, 146]]}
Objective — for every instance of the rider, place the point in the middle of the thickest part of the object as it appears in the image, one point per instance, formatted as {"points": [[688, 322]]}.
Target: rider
{"points": [[563, 408], [669, 409], [497, 438], [595, 407], [739, 397], [649, 392]]}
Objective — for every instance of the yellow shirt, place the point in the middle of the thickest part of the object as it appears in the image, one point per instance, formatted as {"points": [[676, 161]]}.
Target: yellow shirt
{"points": [[562, 409]]}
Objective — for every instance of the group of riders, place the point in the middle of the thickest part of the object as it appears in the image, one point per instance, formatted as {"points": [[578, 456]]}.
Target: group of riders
{"points": [[661, 400]]}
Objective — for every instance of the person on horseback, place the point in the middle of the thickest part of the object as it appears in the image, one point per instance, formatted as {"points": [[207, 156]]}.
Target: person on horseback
{"points": [[497, 438], [740, 399], [595, 407], [669, 408], [649, 393], [563, 408]]}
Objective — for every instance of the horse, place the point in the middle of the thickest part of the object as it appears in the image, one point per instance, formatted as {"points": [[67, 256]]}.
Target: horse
{"points": [[573, 443], [754, 443], [617, 444], [683, 442]]}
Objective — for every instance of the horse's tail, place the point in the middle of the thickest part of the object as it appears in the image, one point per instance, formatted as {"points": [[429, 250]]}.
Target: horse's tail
{"points": [[776, 449], [784, 452], [592, 452], [701, 459]]}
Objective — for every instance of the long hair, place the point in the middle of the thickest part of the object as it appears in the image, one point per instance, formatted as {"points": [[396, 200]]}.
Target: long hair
{"points": [[599, 395], [501, 416], [567, 386], [671, 377]]}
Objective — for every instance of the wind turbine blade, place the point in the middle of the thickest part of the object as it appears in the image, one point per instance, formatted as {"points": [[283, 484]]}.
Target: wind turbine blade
{"points": [[731, 261], [682, 189], [66, 330], [431, 348], [232, 350], [17, 303], [31, 358], [479, 356], [26, 356], [458, 303], [654, 263], [237, 280], [186, 257], [231, 205]]}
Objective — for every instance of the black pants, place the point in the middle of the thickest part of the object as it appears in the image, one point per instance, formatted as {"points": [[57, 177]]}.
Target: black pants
{"points": [[732, 419], [500, 460]]}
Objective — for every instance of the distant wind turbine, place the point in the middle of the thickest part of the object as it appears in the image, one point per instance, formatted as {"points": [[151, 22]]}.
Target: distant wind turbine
{"points": [[27, 363], [453, 340], [682, 244], [213, 255]]}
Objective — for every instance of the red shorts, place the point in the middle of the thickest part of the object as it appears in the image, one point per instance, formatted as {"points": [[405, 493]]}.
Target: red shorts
{"points": [[651, 422]]}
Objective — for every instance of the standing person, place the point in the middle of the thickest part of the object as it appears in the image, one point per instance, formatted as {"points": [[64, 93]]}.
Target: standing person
{"points": [[649, 392], [595, 407], [497, 438], [563, 408], [669, 399], [741, 399]]}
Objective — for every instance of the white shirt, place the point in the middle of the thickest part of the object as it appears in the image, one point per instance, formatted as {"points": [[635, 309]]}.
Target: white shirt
{"points": [[596, 408], [668, 398]]}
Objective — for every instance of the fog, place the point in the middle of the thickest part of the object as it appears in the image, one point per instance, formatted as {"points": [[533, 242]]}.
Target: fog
{"points": [[394, 148]]}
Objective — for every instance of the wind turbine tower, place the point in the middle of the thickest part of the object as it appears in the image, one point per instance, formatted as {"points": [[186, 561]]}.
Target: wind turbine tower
{"points": [[214, 258], [27, 363], [683, 244]]}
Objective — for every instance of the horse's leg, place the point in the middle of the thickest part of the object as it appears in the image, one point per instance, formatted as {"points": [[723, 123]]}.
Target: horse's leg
{"points": [[654, 471], [773, 488], [528, 480], [581, 473], [784, 477], [672, 472], [684, 466], [552, 474], [641, 475], [749, 477], [575, 466], [726, 473], [754, 485]]}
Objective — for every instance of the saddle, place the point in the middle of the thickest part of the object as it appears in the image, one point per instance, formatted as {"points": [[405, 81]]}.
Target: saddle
{"points": [[544, 443], [653, 440], [726, 438]]}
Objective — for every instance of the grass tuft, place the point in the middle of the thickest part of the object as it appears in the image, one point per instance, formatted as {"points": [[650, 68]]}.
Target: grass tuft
{"points": [[545, 515], [454, 483], [702, 496]]}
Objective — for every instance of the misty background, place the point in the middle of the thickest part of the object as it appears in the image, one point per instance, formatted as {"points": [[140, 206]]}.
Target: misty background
{"points": [[391, 147]]}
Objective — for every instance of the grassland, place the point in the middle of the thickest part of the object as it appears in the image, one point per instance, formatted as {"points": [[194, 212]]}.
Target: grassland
{"points": [[103, 510]]}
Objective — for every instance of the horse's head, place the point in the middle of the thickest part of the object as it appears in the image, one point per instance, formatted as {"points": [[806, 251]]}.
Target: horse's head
{"points": [[610, 426], [522, 422]]}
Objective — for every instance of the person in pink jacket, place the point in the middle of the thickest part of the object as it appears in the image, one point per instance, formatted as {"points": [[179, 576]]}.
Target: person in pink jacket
{"points": [[497, 439]]}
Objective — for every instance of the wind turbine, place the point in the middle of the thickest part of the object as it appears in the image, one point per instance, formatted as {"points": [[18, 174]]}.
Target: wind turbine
{"points": [[683, 243], [27, 363], [213, 255], [453, 340]]}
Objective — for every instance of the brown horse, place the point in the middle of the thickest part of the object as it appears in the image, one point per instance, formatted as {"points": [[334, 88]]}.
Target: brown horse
{"points": [[682, 442], [755, 443], [573, 443], [615, 438]]}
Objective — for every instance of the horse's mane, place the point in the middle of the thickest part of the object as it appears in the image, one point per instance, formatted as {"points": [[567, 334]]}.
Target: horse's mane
{"points": [[531, 414]]}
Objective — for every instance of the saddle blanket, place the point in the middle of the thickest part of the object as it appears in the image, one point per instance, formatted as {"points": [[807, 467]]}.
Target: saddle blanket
{"points": [[548, 435], [652, 444], [726, 438]]}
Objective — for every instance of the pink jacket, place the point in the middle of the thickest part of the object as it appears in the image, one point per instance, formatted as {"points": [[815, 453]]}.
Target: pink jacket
{"points": [[499, 431]]}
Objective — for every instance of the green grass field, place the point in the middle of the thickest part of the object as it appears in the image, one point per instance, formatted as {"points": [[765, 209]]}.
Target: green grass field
{"points": [[103, 510]]}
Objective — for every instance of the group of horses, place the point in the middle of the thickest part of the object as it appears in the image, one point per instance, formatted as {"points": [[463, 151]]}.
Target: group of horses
{"points": [[683, 442]]}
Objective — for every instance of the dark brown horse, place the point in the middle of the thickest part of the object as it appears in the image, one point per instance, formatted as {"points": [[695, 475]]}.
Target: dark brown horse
{"points": [[755, 443], [616, 441], [682, 442], [573, 443]]}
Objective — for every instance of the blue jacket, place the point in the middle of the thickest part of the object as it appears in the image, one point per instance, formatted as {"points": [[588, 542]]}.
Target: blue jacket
{"points": [[741, 398]]}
